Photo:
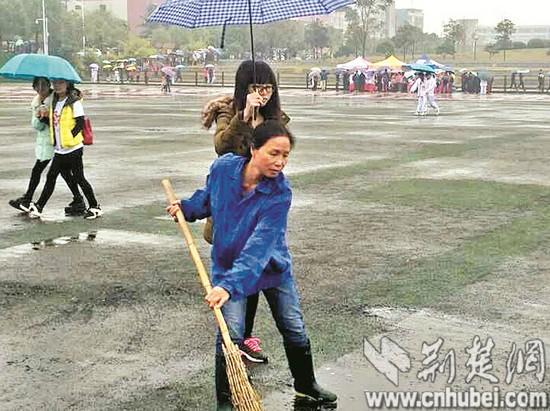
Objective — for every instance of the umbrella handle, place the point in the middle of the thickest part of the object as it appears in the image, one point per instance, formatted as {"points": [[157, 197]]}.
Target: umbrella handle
{"points": [[203, 276]]}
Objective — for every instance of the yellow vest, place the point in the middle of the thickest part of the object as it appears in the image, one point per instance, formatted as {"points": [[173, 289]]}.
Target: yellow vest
{"points": [[66, 124]]}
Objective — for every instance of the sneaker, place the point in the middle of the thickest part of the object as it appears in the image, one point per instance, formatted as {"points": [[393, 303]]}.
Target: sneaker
{"points": [[252, 351], [76, 207], [21, 204], [437, 111], [93, 212], [34, 211]]}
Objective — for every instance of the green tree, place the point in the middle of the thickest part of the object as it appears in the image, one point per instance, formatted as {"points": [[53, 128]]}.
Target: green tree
{"points": [[103, 30], [137, 46], [369, 14], [492, 49], [504, 31], [352, 35], [407, 39], [454, 35], [12, 20], [386, 47], [447, 47], [316, 36]]}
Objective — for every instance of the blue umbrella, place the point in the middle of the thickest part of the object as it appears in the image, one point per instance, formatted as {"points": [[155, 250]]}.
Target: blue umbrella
{"points": [[28, 66], [203, 13], [421, 67]]}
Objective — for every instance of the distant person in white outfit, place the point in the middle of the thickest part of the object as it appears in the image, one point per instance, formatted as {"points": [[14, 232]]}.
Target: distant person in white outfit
{"points": [[431, 85], [419, 87]]}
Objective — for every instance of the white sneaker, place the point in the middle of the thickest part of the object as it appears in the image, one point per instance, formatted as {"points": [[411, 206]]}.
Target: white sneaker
{"points": [[34, 212], [93, 212]]}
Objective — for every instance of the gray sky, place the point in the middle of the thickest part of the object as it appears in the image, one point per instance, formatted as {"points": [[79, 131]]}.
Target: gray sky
{"points": [[488, 12]]}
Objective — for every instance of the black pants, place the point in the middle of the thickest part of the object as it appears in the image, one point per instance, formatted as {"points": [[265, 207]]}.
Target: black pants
{"points": [[67, 163], [36, 173], [251, 307]]}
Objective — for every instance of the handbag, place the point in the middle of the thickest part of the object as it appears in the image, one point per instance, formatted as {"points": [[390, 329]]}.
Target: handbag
{"points": [[87, 132]]}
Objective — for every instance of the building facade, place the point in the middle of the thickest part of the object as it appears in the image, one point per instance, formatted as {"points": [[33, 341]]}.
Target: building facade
{"points": [[133, 12], [413, 17]]}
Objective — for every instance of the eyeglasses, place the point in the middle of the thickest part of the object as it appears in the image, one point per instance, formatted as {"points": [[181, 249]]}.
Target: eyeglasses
{"points": [[259, 88]]}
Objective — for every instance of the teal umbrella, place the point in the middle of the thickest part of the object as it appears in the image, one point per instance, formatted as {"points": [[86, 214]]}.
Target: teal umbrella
{"points": [[28, 66], [421, 67]]}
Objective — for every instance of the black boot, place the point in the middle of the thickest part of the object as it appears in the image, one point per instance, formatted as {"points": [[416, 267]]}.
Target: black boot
{"points": [[300, 362], [223, 392]]}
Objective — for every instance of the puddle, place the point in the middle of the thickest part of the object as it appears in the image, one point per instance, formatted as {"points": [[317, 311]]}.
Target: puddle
{"points": [[56, 242], [101, 237]]}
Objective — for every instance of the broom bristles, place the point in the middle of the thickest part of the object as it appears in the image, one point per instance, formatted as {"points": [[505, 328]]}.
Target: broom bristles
{"points": [[243, 395]]}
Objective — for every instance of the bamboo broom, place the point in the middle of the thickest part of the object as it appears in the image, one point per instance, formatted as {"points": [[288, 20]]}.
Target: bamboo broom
{"points": [[243, 395]]}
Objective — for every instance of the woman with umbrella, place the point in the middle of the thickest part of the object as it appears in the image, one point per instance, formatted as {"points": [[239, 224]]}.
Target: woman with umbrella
{"points": [[44, 151], [250, 251], [236, 118], [66, 120]]}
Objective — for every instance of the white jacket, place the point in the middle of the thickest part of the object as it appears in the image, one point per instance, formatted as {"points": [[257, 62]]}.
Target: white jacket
{"points": [[431, 85], [419, 87]]}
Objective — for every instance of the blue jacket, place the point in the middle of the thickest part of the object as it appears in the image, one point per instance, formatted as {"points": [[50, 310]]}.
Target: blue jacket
{"points": [[249, 247]]}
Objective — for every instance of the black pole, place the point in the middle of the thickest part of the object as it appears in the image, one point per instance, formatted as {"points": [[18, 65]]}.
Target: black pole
{"points": [[252, 42]]}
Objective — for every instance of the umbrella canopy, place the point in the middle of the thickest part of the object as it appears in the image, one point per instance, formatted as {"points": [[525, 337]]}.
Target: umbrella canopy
{"points": [[203, 13], [424, 59], [209, 66], [169, 71], [28, 66], [180, 67], [107, 66], [484, 75], [391, 62], [106, 62], [315, 69], [94, 65], [422, 67], [358, 63]]}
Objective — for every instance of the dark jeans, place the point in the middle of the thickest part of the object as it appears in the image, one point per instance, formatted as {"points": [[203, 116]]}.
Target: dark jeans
{"points": [[67, 163], [251, 307], [36, 173], [285, 308]]}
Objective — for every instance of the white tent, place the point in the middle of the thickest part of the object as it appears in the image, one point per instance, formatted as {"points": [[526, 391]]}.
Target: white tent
{"points": [[358, 63]]}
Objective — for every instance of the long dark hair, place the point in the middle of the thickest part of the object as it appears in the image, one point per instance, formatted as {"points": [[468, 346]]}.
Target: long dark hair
{"points": [[36, 82], [73, 95], [264, 75]]}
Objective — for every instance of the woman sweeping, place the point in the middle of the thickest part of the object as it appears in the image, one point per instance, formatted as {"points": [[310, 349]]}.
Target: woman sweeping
{"points": [[255, 99], [249, 199]]}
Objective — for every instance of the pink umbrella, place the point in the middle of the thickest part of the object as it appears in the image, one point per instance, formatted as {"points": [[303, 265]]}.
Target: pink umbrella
{"points": [[169, 71]]}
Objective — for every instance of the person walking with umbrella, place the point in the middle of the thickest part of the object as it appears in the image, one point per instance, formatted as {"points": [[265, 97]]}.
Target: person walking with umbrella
{"points": [[44, 151], [66, 120], [236, 118], [431, 85], [250, 252], [419, 87]]}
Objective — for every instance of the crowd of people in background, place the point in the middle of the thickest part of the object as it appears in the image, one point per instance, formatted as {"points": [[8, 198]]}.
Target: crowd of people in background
{"points": [[385, 81]]}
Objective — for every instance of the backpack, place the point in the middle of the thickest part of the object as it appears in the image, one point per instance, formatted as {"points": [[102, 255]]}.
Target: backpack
{"points": [[87, 132]]}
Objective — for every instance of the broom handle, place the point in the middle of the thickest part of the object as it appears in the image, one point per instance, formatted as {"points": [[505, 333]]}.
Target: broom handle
{"points": [[203, 276]]}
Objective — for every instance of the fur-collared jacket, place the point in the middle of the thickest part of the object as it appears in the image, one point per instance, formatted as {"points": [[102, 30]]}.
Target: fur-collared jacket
{"points": [[233, 135]]}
